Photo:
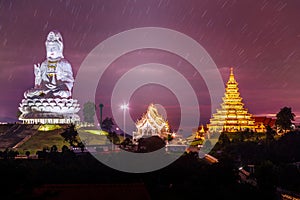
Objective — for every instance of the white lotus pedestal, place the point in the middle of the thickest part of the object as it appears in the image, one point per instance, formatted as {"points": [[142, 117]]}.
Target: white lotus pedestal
{"points": [[49, 111]]}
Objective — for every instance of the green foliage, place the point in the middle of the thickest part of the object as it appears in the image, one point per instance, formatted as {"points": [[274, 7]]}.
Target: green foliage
{"points": [[89, 112], [284, 119]]}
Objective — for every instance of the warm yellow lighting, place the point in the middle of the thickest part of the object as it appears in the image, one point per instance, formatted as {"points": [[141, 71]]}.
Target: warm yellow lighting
{"points": [[97, 132], [151, 123], [48, 127], [232, 116]]}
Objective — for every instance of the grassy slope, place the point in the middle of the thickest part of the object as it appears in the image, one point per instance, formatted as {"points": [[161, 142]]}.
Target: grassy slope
{"points": [[93, 137], [43, 139], [49, 138]]}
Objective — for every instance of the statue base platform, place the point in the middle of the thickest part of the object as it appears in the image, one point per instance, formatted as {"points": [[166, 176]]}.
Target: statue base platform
{"points": [[49, 111], [49, 118]]}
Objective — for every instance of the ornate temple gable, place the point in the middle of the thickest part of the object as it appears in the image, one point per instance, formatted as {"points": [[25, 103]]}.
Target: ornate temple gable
{"points": [[232, 116], [151, 123], [151, 118]]}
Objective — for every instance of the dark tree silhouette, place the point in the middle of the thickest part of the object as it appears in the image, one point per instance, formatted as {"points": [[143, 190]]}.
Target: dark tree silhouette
{"points": [[113, 137], [81, 146], [89, 112], [27, 153], [101, 111], [107, 124], [224, 139], [266, 177], [284, 119], [64, 149], [126, 143], [270, 133], [70, 135], [53, 149], [150, 144]]}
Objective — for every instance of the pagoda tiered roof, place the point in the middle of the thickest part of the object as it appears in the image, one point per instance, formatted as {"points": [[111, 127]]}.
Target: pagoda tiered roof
{"points": [[232, 116]]}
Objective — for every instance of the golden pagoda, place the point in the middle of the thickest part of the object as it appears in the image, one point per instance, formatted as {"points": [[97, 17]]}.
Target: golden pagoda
{"points": [[232, 117]]}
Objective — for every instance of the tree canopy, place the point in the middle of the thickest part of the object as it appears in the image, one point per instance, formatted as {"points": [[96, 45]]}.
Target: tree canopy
{"points": [[107, 124], [284, 119], [89, 112], [70, 135]]}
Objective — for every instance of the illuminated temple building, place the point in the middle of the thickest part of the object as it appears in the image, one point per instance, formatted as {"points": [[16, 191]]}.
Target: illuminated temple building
{"points": [[232, 116], [151, 124]]}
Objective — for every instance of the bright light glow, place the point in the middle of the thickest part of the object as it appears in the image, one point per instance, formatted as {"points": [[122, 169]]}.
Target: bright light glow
{"points": [[124, 107], [48, 127], [97, 132], [232, 117]]}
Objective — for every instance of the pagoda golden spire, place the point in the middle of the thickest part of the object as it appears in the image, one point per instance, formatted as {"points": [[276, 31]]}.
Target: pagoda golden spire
{"points": [[231, 77], [232, 116]]}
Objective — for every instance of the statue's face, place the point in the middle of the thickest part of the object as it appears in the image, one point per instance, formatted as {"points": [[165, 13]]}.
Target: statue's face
{"points": [[53, 51], [54, 46]]}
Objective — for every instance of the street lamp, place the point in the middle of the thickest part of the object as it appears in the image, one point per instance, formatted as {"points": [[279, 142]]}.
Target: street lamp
{"points": [[124, 107], [101, 108]]}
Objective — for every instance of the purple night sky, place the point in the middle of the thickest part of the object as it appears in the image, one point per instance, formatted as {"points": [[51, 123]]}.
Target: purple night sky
{"points": [[259, 38]]}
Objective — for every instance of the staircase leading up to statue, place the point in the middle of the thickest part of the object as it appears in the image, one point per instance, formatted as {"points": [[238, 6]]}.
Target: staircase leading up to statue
{"points": [[17, 133]]}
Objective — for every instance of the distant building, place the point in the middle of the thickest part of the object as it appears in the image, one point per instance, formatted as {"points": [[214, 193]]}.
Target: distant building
{"points": [[232, 116], [261, 123]]}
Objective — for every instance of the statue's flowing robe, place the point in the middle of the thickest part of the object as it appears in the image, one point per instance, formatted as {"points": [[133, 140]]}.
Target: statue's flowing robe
{"points": [[60, 77]]}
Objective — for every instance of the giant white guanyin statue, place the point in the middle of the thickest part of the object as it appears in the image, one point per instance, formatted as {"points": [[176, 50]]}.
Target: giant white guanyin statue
{"points": [[54, 77], [50, 100]]}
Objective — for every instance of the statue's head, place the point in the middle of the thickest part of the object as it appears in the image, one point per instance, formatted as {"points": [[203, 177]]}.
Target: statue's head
{"points": [[54, 46]]}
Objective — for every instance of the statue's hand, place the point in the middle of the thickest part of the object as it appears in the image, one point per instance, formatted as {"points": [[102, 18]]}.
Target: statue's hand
{"points": [[50, 86], [37, 66], [38, 74], [37, 69]]}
